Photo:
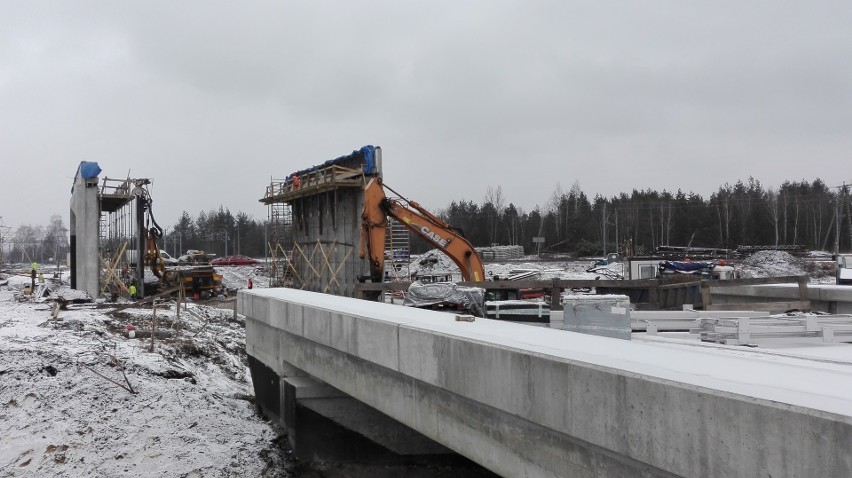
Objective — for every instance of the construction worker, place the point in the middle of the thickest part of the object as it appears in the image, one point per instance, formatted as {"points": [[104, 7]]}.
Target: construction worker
{"points": [[250, 284], [132, 291], [33, 270], [296, 181]]}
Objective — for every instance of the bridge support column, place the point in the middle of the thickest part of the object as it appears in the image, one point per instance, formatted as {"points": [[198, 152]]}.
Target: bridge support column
{"points": [[325, 424]]}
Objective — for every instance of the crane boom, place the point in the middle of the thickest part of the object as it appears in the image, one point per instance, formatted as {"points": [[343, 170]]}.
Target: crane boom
{"points": [[378, 207]]}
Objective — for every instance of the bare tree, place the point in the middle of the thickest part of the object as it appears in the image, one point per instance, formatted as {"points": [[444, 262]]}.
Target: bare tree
{"points": [[724, 213], [554, 207], [796, 222], [845, 200], [3, 240], [772, 208], [27, 241], [56, 238], [496, 198]]}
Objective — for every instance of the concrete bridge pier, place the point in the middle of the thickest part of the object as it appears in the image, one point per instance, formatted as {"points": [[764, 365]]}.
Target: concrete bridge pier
{"points": [[324, 424]]}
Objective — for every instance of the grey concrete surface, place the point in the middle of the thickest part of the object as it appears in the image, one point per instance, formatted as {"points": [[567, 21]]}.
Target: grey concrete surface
{"points": [[530, 411], [834, 299]]}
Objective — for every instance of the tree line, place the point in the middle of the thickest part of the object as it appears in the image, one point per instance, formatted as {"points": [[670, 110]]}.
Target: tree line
{"points": [[746, 213], [807, 214], [41, 244]]}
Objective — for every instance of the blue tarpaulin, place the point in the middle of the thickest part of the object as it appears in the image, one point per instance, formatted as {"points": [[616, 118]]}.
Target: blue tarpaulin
{"points": [[686, 267], [369, 153], [89, 169], [366, 155]]}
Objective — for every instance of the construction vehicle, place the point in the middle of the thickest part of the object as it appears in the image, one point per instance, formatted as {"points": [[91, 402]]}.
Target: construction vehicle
{"points": [[197, 282], [378, 207], [195, 257], [653, 267], [438, 294]]}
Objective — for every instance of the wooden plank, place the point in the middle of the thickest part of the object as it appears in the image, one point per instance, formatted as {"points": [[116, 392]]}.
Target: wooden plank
{"points": [[756, 281], [620, 284], [773, 307], [510, 284], [556, 298], [150, 298], [803, 288], [379, 286], [706, 297], [680, 285]]}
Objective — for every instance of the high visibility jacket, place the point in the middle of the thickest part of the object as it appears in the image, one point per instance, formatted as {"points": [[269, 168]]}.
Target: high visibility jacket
{"points": [[132, 290]]}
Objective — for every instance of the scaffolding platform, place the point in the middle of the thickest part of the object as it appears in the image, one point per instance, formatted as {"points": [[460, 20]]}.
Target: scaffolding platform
{"points": [[115, 194], [350, 171], [313, 182]]}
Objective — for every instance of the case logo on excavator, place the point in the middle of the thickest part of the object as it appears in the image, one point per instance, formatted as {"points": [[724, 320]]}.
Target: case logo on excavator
{"points": [[434, 237]]}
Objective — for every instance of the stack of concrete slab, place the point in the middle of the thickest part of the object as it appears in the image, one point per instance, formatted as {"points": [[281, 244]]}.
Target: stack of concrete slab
{"points": [[653, 321], [776, 329], [500, 253]]}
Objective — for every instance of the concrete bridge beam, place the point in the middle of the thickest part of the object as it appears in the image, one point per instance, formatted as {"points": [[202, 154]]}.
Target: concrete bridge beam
{"points": [[529, 401]]}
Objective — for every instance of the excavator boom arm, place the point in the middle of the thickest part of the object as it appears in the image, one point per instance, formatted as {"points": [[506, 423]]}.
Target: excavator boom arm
{"points": [[377, 208]]}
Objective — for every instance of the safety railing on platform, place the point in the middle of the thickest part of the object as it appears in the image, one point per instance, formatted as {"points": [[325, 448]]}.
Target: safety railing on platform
{"points": [[326, 178]]}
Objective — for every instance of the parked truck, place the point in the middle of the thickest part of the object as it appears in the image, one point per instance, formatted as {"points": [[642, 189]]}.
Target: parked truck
{"points": [[844, 269]]}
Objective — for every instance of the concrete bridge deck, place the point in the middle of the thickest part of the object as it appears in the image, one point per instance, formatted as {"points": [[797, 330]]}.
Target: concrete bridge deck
{"points": [[530, 401]]}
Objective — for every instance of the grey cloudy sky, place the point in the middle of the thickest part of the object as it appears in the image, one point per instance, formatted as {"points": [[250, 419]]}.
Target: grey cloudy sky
{"points": [[211, 99]]}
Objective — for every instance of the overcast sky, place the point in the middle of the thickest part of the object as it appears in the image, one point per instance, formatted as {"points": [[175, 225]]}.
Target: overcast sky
{"points": [[212, 99]]}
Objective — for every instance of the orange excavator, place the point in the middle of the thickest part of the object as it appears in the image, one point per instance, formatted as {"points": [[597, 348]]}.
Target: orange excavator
{"points": [[378, 207]]}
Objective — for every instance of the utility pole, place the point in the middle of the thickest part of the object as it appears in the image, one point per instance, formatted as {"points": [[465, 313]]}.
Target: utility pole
{"points": [[842, 201], [604, 229], [617, 244], [837, 221], [848, 212]]}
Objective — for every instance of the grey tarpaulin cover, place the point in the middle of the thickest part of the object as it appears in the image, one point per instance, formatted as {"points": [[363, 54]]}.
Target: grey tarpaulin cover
{"points": [[425, 295]]}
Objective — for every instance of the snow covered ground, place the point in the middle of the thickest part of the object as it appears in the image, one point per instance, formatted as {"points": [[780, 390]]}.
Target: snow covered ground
{"points": [[760, 264], [80, 398]]}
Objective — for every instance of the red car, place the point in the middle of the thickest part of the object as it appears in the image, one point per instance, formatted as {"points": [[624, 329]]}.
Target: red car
{"points": [[233, 261]]}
